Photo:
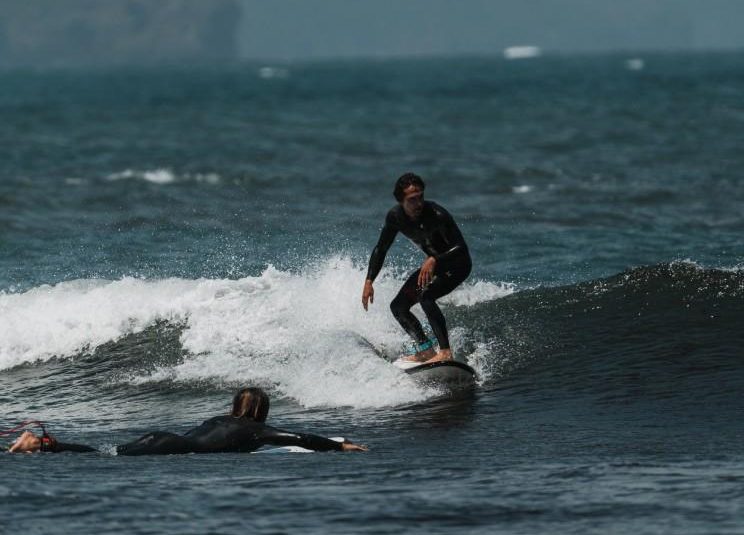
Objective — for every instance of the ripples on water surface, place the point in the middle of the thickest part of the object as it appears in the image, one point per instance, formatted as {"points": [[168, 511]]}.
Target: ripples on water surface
{"points": [[171, 235]]}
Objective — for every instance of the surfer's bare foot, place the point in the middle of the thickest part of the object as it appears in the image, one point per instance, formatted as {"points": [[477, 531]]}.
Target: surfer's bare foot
{"points": [[421, 356], [444, 354]]}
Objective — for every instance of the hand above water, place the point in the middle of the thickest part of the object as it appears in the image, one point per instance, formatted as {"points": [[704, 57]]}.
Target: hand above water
{"points": [[426, 273], [368, 294], [350, 446]]}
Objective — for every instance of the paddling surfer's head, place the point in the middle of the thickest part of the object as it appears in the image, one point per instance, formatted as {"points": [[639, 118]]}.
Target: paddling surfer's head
{"points": [[251, 403], [409, 192]]}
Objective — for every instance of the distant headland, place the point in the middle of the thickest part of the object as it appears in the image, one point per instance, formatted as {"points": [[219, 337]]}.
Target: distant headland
{"points": [[80, 33]]}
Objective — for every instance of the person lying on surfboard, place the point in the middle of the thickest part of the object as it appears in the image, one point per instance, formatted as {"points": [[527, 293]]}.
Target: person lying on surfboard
{"points": [[447, 265], [243, 430]]}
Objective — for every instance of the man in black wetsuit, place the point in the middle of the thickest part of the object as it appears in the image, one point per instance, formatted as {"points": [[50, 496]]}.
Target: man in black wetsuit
{"points": [[447, 264], [243, 430]]}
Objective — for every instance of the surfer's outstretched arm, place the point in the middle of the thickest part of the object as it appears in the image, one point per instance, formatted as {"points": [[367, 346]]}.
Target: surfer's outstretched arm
{"points": [[278, 437]]}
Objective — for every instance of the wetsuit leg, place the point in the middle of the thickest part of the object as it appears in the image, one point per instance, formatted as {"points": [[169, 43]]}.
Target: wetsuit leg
{"points": [[437, 322], [158, 443], [401, 308], [447, 277]]}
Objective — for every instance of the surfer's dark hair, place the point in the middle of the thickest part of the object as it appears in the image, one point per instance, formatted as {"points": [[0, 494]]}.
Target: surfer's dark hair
{"points": [[251, 403], [409, 179]]}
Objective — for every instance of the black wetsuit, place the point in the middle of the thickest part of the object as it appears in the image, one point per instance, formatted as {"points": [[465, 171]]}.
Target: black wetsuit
{"points": [[436, 233], [59, 447], [223, 434]]}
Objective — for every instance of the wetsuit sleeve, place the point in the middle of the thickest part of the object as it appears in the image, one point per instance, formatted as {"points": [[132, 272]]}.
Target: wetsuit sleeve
{"points": [[387, 235], [277, 437], [52, 445], [59, 447], [452, 236]]}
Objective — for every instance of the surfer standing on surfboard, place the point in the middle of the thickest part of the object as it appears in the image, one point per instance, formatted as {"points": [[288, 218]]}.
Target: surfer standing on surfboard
{"points": [[447, 264]]}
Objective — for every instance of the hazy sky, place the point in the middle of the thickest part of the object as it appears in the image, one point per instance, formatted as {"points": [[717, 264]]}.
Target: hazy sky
{"points": [[302, 29]]}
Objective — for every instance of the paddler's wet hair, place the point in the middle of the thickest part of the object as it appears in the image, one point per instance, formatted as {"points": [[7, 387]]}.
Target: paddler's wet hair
{"points": [[251, 403], [409, 179]]}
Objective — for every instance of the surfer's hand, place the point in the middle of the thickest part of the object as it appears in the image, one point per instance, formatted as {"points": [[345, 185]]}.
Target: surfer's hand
{"points": [[350, 446], [26, 443], [426, 272], [368, 294]]}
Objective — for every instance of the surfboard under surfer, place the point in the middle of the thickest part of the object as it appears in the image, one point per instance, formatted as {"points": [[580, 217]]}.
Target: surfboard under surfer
{"points": [[447, 265]]}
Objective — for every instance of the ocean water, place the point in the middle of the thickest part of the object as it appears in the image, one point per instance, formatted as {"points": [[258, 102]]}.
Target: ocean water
{"points": [[171, 235]]}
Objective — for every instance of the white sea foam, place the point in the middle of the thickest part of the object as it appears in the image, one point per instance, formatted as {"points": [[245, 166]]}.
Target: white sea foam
{"points": [[67, 318], [522, 189], [159, 176], [298, 331], [471, 293], [164, 176], [156, 176]]}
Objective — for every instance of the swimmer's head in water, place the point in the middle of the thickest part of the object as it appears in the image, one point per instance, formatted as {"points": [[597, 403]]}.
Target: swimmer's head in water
{"points": [[251, 403]]}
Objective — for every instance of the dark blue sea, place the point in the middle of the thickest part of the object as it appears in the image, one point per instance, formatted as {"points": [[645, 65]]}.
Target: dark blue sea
{"points": [[169, 235]]}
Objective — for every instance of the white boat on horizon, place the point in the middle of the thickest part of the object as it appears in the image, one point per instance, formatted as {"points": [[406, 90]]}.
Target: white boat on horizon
{"points": [[522, 52]]}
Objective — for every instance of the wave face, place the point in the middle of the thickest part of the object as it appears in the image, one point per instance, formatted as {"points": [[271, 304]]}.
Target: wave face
{"points": [[665, 332], [660, 335], [303, 334]]}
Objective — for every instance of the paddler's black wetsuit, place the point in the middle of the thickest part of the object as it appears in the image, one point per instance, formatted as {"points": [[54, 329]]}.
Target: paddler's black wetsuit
{"points": [[436, 233], [223, 434], [59, 447]]}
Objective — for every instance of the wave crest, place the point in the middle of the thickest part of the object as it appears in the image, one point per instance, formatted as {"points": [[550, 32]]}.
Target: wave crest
{"points": [[297, 331]]}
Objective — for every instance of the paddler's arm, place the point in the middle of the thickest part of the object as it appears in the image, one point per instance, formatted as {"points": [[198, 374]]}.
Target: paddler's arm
{"points": [[277, 437], [59, 447], [387, 236]]}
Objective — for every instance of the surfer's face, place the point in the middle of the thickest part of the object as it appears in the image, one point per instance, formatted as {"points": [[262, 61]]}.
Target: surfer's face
{"points": [[413, 201]]}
